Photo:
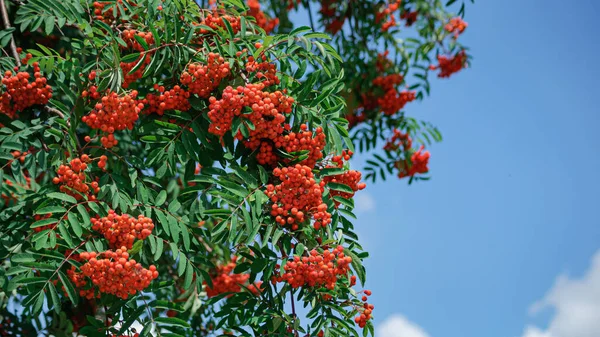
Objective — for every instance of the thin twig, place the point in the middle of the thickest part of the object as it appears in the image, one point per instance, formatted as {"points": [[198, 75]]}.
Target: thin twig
{"points": [[13, 46], [310, 17], [53, 111]]}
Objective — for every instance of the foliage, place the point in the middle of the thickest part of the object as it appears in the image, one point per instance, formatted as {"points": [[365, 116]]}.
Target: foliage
{"points": [[183, 168]]}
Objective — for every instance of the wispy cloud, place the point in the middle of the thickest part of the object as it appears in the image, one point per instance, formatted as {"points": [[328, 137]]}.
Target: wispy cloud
{"points": [[576, 305]]}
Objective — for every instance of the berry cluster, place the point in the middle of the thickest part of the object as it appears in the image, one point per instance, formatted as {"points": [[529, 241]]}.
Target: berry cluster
{"points": [[392, 100], [129, 35], [450, 65], [388, 13], [20, 93], [383, 63], [261, 19], [456, 26], [297, 197], [173, 99], [203, 79], [398, 141], [215, 21], [106, 15], [417, 164], [333, 22], [225, 281], [316, 270], [114, 113], [113, 273], [305, 140], [264, 71], [122, 230], [350, 178], [365, 311], [266, 115], [73, 179]]}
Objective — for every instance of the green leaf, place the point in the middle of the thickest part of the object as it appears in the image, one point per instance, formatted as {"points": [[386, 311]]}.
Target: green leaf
{"points": [[161, 198], [51, 209], [340, 187], [61, 196], [172, 321], [71, 293]]}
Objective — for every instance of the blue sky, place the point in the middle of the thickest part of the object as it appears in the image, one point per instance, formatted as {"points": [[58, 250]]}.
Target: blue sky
{"points": [[512, 200]]}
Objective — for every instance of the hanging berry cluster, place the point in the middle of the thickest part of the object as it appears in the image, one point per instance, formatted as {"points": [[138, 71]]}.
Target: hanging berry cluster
{"points": [[19, 93], [297, 198], [417, 164], [392, 100], [104, 14], [261, 19], [350, 178], [449, 65], [113, 113], [316, 270], [387, 13], [128, 36], [215, 20], [398, 141], [225, 281], [174, 99], [72, 179], [306, 141], [112, 272], [456, 26], [203, 79], [122, 230], [414, 162], [365, 311]]}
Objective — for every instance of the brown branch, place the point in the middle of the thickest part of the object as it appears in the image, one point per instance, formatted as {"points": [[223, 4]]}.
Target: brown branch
{"points": [[51, 110], [13, 46]]}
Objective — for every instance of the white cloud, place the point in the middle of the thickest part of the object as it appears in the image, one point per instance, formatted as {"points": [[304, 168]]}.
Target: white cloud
{"points": [[576, 305], [398, 326], [363, 202]]}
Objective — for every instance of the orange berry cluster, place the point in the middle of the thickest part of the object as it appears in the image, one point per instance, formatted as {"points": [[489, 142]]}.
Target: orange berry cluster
{"points": [[297, 197], [388, 13], [20, 93], [20, 156], [173, 99], [333, 22], [450, 65], [267, 112], [316, 270], [305, 140], [392, 100], [350, 178], [225, 281], [92, 92], [265, 71], [397, 141], [203, 79], [114, 113], [113, 273], [122, 230], [107, 16], [417, 164], [128, 36], [366, 311], [73, 179], [456, 26], [261, 19], [215, 21]]}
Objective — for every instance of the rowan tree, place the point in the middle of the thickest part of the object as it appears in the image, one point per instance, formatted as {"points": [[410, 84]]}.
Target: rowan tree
{"points": [[173, 168]]}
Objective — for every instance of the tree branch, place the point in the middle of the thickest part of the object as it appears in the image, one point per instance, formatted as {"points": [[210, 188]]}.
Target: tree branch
{"points": [[53, 110], [13, 46]]}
